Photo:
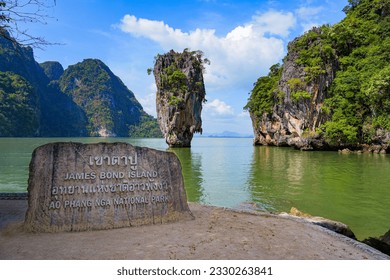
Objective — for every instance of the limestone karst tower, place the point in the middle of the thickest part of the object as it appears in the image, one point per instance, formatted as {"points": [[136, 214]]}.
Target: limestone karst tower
{"points": [[180, 95]]}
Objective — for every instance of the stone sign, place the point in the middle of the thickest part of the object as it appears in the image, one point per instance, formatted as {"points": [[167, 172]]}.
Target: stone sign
{"points": [[76, 187]]}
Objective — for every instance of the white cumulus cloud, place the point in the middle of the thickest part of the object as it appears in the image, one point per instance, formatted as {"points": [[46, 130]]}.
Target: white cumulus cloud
{"points": [[149, 101], [306, 12], [276, 23], [237, 58], [309, 16], [218, 108]]}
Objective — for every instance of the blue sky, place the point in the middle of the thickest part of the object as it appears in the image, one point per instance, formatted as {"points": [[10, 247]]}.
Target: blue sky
{"points": [[242, 39]]}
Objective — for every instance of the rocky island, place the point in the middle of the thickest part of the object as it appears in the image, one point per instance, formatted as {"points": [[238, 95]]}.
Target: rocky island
{"points": [[333, 89], [180, 95]]}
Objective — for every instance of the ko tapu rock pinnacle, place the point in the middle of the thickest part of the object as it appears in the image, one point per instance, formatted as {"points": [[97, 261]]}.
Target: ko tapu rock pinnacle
{"points": [[180, 95]]}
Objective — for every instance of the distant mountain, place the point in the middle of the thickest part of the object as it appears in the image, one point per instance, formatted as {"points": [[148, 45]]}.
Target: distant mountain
{"points": [[109, 106], [226, 134], [86, 99], [52, 69]]}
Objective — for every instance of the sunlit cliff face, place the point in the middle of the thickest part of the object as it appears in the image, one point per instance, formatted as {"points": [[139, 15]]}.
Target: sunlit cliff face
{"points": [[180, 95]]}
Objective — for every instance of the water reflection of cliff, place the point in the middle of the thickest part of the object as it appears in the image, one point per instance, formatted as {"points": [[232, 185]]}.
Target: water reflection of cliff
{"points": [[352, 189], [191, 164], [275, 177], [216, 171]]}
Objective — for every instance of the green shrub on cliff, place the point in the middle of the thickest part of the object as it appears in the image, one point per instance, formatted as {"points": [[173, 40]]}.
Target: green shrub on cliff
{"points": [[262, 97], [297, 87], [174, 79], [315, 52]]}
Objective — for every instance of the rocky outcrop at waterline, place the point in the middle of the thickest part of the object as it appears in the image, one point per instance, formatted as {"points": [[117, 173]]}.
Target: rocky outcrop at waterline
{"points": [[180, 95], [382, 243], [332, 225]]}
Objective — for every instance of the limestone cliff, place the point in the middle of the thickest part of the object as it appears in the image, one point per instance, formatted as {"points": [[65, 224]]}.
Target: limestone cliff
{"points": [[333, 89], [297, 111], [180, 94], [108, 104]]}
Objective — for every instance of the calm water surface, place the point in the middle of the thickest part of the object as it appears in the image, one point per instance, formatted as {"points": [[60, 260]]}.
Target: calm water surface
{"points": [[351, 188]]}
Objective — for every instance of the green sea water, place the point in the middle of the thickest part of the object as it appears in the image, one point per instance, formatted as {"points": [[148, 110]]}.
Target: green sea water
{"points": [[231, 172]]}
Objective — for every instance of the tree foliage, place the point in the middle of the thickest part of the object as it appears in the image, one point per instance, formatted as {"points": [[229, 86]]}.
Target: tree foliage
{"points": [[297, 87], [18, 103], [15, 15], [265, 93], [360, 91], [174, 82], [147, 128]]}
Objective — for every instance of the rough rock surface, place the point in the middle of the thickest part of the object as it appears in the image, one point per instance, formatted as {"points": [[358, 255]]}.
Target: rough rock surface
{"points": [[382, 243], [76, 187], [291, 122], [335, 226], [180, 94]]}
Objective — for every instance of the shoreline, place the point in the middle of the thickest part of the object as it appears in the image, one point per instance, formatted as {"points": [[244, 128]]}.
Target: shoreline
{"points": [[216, 233]]}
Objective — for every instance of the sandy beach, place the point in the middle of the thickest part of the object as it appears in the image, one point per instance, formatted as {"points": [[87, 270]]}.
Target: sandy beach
{"points": [[215, 233]]}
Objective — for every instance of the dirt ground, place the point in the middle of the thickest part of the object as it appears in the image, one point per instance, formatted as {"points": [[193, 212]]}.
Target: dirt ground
{"points": [[215, 233]]}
